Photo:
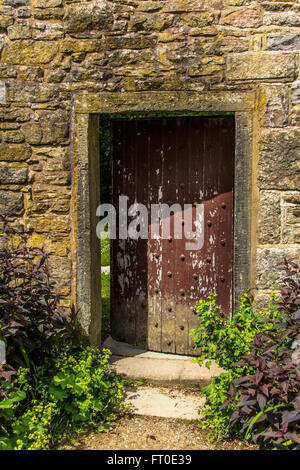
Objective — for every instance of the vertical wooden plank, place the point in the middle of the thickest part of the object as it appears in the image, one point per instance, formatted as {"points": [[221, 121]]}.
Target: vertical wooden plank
{"points": [[196, 258], [155, 283], [141, 181], [225, 128], [131, 262], [169, 182], [182, 265], [118, 312]]}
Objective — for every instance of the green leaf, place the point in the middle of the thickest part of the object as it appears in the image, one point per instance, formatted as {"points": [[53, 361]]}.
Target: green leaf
{"points": [[57, 393], [14, 397]]}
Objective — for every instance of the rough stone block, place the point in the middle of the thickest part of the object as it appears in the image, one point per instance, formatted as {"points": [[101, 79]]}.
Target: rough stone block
{"points": [[11, 203], [19, 31], [60, 246], [129, 42], [291, 218], [49, 32], [269, 218], [156, 22], [31, 74], [33, 133], [205, 31], [150, 6], [23, 12], [279, 164], [8, 126], [70, 46], [59, 179], [275, 112], [5, 21], [14, 153], [60, 153], [16, 3], [15, 114], [295, 89], [88, 16], [14, 137], [186, 6], [244, 18], [52, 129], [284, 42], [268, 274], [61, 269], [13, 174], [261, 66], [8, 72], [198, 20], [29, 52], [2, 93], [32, 92], [287, 18], [45, 224], [293, 215], [262, 299], [46, 3], [169, 37], [47, 192], [48, 13]]}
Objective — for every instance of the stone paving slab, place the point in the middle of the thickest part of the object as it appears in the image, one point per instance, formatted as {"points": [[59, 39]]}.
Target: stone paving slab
{"points": [[164, 403]]}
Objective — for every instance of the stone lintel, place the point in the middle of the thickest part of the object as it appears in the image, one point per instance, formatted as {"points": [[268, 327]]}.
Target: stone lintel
{"points": [[228, 101]]}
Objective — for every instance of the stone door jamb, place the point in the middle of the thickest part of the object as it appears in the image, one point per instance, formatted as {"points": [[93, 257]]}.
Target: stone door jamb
{"points": [[86, 256]]}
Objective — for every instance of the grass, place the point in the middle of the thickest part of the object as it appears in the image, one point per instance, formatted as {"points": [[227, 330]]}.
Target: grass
{"points": [[105, 252], [105, 286]]}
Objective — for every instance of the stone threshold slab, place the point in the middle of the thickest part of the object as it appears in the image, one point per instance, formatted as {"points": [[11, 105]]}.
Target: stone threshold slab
{"points": [[158, 368]]}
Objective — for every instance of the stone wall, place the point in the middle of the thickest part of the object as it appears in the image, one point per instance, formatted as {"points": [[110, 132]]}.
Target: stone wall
{"points": [[52, 50]]}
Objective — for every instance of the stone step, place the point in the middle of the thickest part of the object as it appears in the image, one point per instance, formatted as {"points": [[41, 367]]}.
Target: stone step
{"points": [[164, 402], [159, 368]]}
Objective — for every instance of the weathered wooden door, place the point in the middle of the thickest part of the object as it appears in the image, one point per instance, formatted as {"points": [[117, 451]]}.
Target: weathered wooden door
{"points": [[157, 283]]}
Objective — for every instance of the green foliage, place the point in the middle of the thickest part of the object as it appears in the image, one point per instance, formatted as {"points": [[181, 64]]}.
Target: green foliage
{"points": [[105, 251], [266, 396], [71, 391], [226, 341], [31, 319], [215, 417], [105, 286], [105, 167], [50, 387]]}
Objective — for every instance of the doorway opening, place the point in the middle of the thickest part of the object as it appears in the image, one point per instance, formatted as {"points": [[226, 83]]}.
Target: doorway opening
{"points": [[151, 286]]}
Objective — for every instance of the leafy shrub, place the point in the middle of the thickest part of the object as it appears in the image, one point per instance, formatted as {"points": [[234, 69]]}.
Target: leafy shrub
{"points": [[226, 341], [78, 392], [267, 401], [214, 417], [30, 316], [50, 386], [290, 295]]}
